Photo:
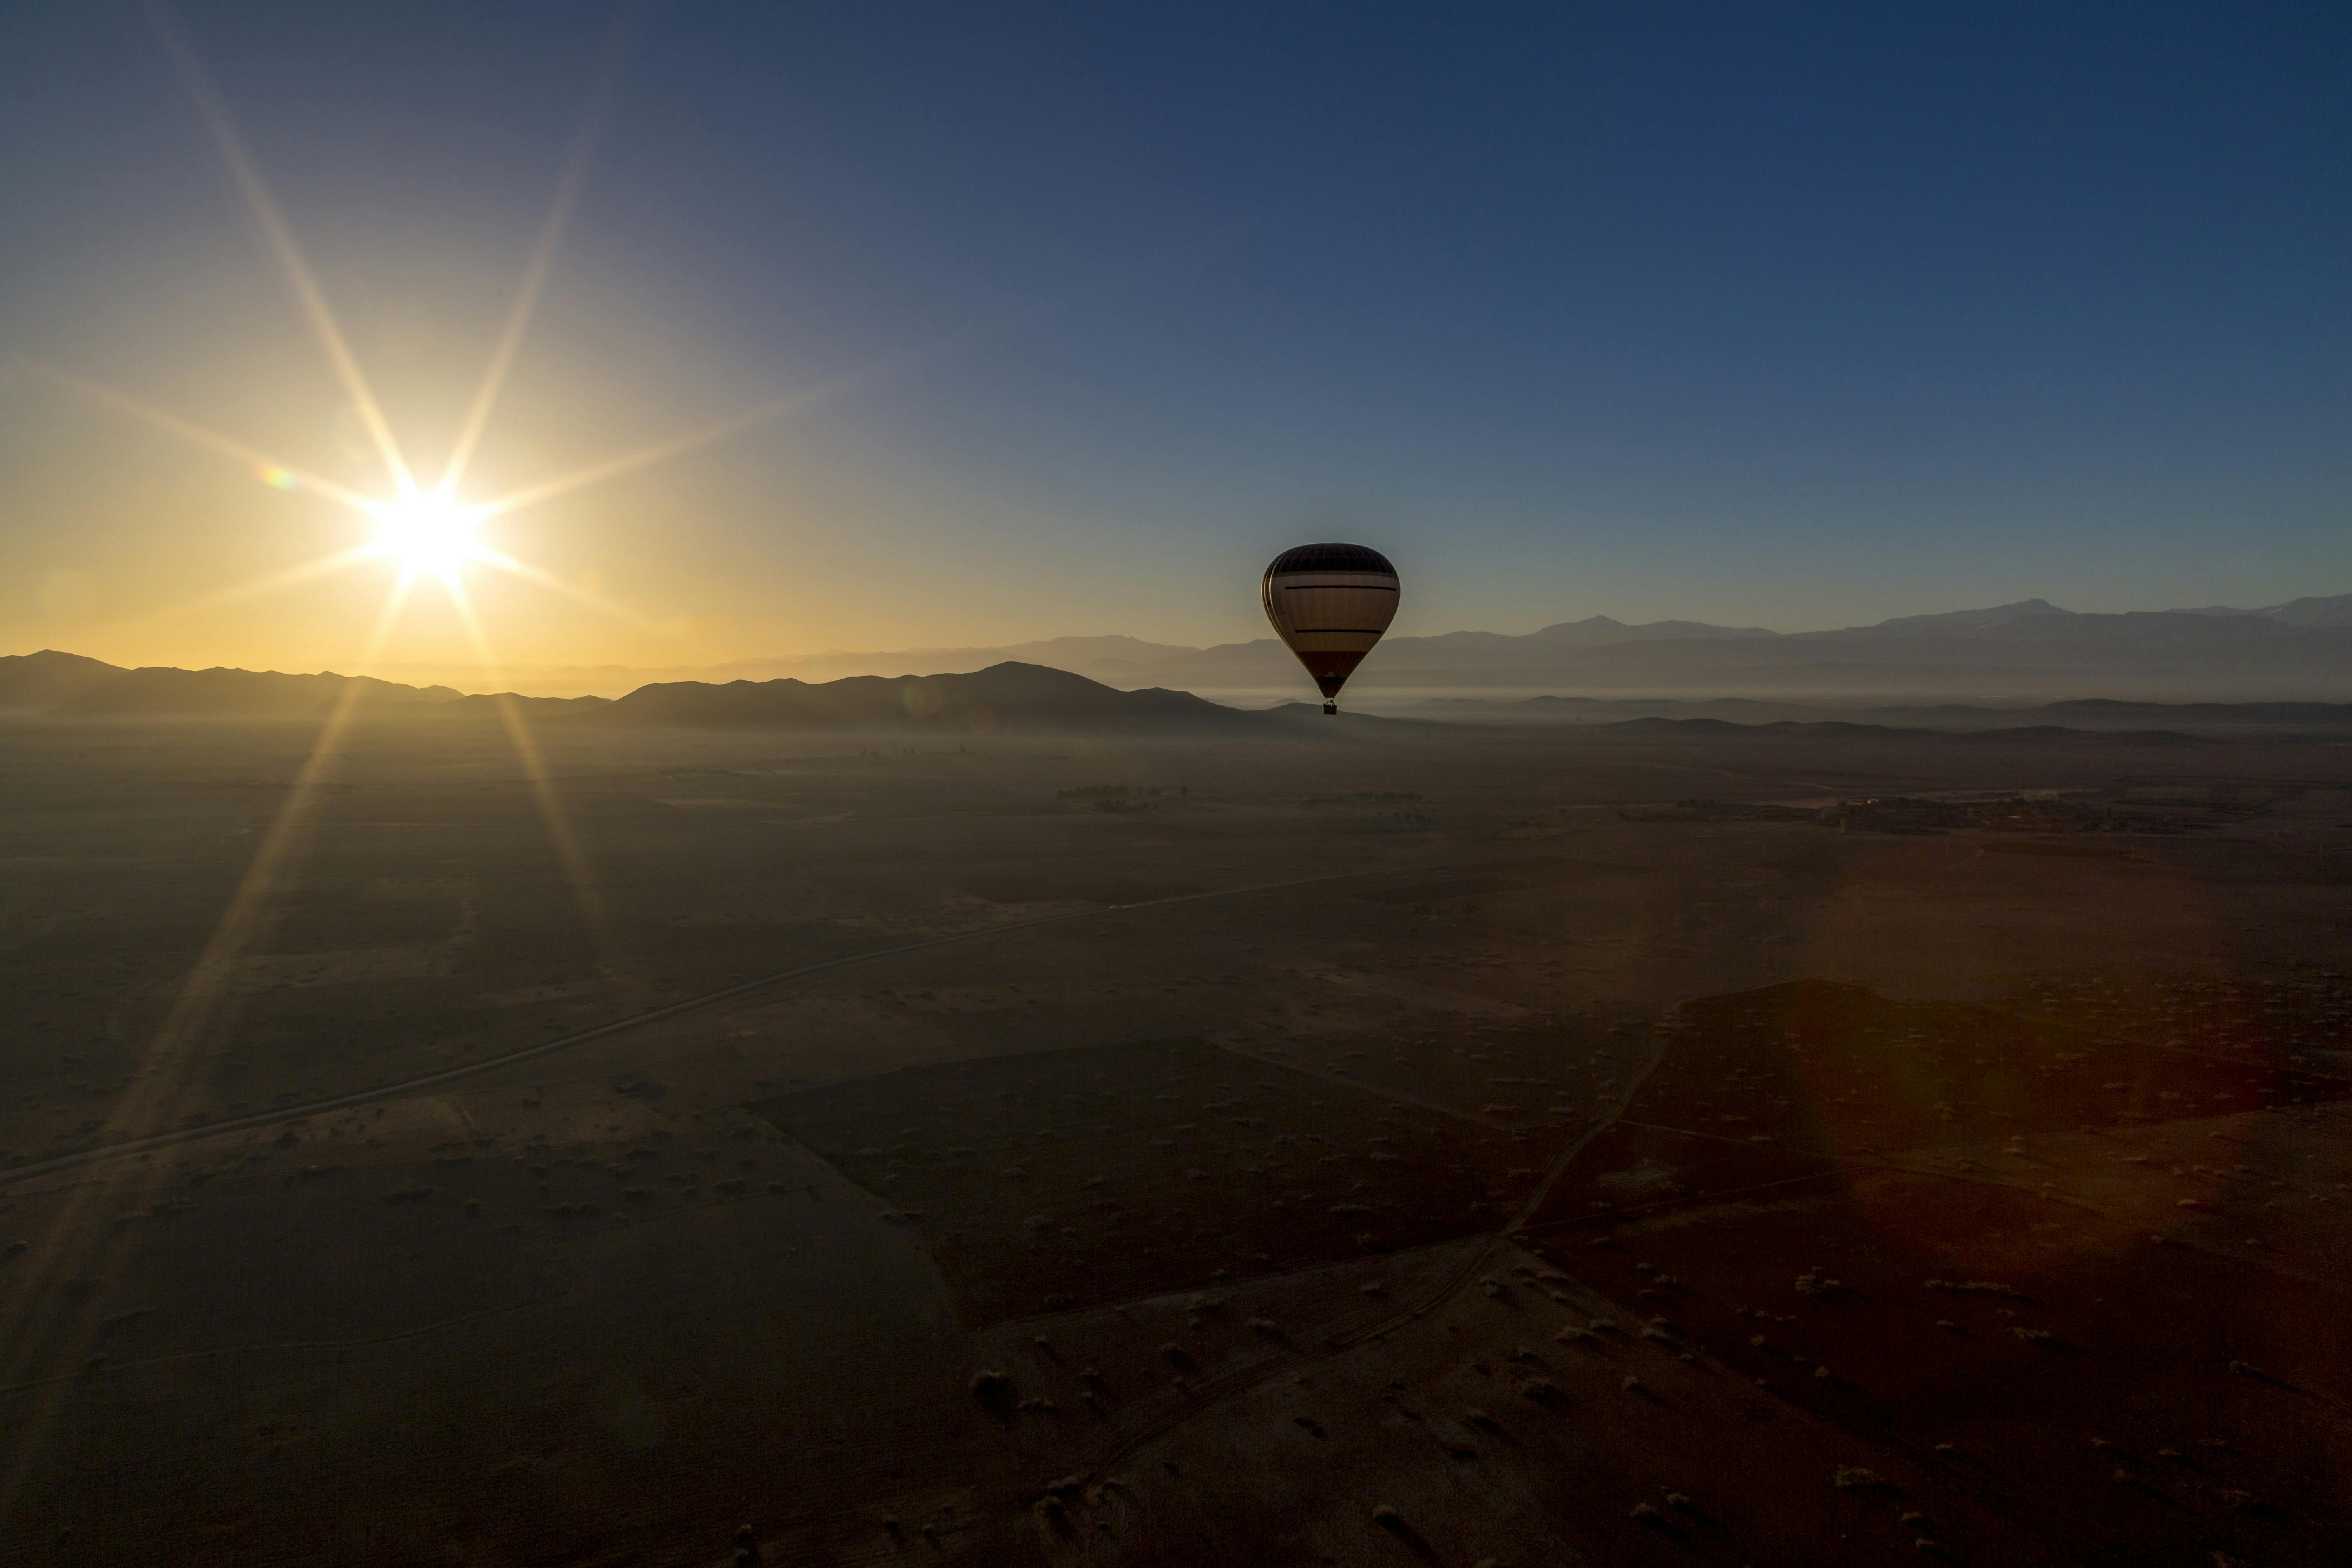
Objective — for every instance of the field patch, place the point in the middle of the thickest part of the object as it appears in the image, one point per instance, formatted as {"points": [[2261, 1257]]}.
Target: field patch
{"points": [[318, 925], [1086, 884], [1066, 1179], [1434, 999], [1496, 877], [2120, 1390], [350, 966]]}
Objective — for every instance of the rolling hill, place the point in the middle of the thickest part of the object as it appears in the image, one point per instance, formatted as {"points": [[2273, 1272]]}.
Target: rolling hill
{"points": [[57, 685], [1005, 698], [1008, 697]]}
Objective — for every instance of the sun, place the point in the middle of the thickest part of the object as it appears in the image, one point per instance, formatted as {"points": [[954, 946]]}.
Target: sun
{"points": [[426, 533]]}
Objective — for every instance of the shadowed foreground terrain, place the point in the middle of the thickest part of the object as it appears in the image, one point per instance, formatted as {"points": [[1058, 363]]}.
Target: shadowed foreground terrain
{"points": [[1413, 1143]]}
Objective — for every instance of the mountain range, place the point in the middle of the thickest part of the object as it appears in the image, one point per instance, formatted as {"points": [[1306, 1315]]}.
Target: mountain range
{"points": [[1005, 698], [1020, 698], [2011, 653], [2031, 650]]}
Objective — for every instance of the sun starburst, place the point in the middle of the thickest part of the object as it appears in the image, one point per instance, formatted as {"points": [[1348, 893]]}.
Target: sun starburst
{"points": [[426, 533], [423, 532], [422, 529]]}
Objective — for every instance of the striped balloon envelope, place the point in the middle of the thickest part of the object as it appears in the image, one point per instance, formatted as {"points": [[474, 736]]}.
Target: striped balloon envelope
{"points": [[1329, 604]]}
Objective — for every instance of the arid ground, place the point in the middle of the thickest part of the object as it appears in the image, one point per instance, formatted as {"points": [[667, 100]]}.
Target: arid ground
{"points": [[1400, 1143]]}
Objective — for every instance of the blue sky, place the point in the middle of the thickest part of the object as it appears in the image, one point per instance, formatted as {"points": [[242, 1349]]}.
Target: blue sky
{"points": [[1782, 315]]}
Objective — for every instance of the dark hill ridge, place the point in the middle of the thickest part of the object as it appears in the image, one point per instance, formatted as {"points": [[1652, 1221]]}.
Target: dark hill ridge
{"points": [[68, 686], [41, 683], [164, 692], [484, 706], [1005, 697]]}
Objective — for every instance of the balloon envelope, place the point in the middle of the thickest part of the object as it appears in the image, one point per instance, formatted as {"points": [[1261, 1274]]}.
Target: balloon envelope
{"points": [[1329, 604]]}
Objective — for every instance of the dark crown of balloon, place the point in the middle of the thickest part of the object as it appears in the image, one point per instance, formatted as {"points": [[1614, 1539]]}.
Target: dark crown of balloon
{"points": [[1331, 558]]}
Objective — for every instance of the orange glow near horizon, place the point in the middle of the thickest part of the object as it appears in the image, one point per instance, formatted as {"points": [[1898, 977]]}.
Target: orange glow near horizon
{"points": [[412, 515], [421, 527]]}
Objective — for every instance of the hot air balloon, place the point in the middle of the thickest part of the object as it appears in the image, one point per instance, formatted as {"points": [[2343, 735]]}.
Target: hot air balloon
{"points": [[1329, 604]]}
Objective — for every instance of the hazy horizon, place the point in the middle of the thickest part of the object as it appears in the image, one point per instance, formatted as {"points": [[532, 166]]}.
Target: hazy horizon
{"points": [[469, 674]]}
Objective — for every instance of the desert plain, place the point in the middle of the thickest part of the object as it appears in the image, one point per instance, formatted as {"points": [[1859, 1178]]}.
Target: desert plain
{"points": [[1357, 1142]]}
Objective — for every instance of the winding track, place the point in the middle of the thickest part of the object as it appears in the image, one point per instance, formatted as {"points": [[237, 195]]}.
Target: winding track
{"points": [[1243, 1380]]}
